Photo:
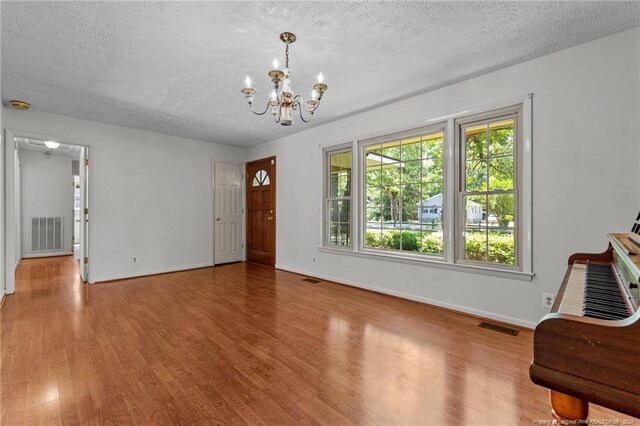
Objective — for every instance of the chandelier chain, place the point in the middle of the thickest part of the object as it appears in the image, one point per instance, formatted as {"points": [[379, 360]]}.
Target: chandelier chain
{"points": [[286, 54]]}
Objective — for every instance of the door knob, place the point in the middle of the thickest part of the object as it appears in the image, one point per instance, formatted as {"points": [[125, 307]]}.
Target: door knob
{"points": [[217, 219]]}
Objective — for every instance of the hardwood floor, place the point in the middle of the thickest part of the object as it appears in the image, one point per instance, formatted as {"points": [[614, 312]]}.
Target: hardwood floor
{"points": [[245, 343]]}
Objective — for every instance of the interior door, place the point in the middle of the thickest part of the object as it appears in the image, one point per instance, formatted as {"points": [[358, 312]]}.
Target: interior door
{"points": [[261, 211], [228, 213], [84, 215]]}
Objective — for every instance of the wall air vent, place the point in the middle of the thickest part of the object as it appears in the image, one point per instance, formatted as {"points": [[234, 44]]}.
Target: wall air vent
{"points": [[46, 234]]}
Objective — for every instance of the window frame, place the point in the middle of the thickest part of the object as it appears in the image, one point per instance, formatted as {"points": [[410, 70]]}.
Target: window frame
{"points": [[439, 126], [326, 192], [524, 271], [514, 112]]}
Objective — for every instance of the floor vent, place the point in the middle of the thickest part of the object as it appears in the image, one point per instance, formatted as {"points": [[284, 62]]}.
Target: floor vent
{"points": [[310, 280], [498, 328]]}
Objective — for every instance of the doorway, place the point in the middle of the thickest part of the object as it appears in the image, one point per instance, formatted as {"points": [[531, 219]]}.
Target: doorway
{"points": [[47, 191], [261, 211], [227, 226]]}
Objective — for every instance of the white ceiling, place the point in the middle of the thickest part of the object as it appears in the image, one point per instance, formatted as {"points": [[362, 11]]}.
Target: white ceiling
{"points": [[177, 68]]}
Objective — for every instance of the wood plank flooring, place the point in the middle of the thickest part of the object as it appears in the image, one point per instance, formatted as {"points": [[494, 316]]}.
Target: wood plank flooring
{"points": [[247, 344]]}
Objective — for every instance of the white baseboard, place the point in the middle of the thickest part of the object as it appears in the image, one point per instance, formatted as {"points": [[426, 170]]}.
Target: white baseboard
{"points": [[464, 309], [145, 273], [48, 254]]}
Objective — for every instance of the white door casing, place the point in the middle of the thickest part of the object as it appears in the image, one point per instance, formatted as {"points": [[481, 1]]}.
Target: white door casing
{"points": [[84, 216], [228, 215]]}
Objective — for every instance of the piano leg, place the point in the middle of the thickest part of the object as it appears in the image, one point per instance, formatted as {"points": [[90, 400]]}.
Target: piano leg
{"points": [[567, 410]]}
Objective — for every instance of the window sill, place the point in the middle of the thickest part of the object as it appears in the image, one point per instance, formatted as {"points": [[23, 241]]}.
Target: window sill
{"points": [[430, 262]]}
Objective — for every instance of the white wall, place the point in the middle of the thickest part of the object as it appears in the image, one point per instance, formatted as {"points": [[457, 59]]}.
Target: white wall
{"points": [[46, 190], [2, 190], [586, 153], [151, 194]]}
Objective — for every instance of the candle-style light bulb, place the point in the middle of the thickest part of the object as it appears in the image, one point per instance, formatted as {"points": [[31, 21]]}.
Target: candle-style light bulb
{"points": [[274, 96], [247, 81], [275, 64], [320, 78], [314, 95]]}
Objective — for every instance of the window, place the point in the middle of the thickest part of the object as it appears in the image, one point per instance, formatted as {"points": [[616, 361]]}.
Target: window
{"points": [[261, 178], [404, 192], [487, 199], [455, 194], [338, 198]]}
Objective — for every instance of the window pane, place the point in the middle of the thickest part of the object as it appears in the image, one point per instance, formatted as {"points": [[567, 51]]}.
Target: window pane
{"points": [[410, 241], [501, 138], [501, 229], [501, 210], [374, 175], [411, 149], [391, 174], [432, 145], [391, 152], [433, 242], [338, 204], [391, 240], [373, 155], [339, 222], [373, 238], [374, 217], [373, 196], [476, 175], [410, 218], [501, 173], [411, 172], [432, 169], [476, 142], [260, 178], [475, 238], [391, 204], [340, 175], [339, 234], [475, 243], [411, 195], [432, 189]]}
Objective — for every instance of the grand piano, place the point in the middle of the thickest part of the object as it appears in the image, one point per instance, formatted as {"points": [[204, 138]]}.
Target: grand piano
{"points": [[587, 348]]}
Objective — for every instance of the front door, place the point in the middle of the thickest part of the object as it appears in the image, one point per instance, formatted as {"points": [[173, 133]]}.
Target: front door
{"points": [[228, 213], [261, 211]]}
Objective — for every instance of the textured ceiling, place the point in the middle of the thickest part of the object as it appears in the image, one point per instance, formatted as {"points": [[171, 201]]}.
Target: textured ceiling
{"points": [[177, 68]]}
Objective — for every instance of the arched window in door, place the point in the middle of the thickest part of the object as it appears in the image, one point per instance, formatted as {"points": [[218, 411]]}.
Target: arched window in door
{"points": [[261, 178]]}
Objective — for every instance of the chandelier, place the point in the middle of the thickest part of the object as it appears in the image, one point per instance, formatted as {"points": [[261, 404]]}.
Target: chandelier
{"points": [[283, 101]]}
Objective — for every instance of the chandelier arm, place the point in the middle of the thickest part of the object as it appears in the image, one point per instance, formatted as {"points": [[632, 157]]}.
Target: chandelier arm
{"points": [[259, 113], [301, 116]]}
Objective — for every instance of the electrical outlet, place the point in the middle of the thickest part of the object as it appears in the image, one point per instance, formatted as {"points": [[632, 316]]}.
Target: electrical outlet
{"points": [[135, 260], [547, 300], [314, 260]]}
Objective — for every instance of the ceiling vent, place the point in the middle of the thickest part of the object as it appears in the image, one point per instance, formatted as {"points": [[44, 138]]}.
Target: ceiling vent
{"points": [[21, 105]]}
